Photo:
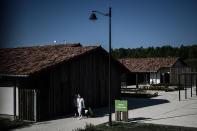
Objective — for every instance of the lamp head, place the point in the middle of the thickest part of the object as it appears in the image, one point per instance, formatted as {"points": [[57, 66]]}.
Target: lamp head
{"points": [[93, 16]]}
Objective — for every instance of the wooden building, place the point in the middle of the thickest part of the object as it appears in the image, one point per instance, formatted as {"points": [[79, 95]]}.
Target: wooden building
{"points": [[154, 70], [44, 79]]}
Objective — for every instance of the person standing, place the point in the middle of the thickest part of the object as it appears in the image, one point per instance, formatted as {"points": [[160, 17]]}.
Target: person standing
{"points": [[80, 105]]}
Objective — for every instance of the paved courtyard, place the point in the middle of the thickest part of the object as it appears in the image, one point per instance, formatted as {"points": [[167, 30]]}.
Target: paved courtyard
{"points": [[164, 109]]}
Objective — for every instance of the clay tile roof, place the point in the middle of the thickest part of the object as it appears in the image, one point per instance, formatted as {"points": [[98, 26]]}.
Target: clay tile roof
{"points": [[28, 60], [148, 64]]}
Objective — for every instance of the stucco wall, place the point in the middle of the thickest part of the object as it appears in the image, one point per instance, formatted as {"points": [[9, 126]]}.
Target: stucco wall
{"points": [[7, 100]]}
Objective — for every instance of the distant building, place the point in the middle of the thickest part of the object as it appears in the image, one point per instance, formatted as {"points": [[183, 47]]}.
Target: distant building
{"points": [[153, 70], [39, 82]]}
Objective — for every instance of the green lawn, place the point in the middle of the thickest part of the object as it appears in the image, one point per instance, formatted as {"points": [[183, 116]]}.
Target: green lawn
{"points": [[7, 124], [135, 127]]}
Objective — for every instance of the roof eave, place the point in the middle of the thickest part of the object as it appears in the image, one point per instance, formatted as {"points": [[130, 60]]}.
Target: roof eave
{"points": [[14, 76]]}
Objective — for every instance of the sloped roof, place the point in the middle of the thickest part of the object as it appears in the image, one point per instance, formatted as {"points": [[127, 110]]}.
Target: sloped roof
{"points": [[148, 64], [28, 60]]}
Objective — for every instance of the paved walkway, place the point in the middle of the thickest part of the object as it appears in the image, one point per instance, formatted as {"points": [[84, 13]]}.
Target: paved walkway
{"points": [[164, 109]]}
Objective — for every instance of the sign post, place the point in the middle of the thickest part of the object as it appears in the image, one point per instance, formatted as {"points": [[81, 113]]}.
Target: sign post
{"points": [[121, 106]]}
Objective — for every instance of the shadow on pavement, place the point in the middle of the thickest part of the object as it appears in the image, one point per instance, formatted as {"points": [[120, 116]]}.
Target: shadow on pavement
{"points": [[162, 118], [133, 103], [138, 119]]}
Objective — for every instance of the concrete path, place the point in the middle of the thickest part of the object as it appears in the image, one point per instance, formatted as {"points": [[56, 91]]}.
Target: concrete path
{"points": [[170, 112], [164, 109]]}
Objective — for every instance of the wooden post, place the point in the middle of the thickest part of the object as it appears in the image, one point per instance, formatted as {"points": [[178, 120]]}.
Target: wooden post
{"points": [[137, 80], [156, 77], [170, 75], [146, 79], [164, 78], [125, 116], [149, 78], [117, 115]]}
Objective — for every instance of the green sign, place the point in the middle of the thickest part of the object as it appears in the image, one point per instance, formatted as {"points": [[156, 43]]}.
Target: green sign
{"points": [[121, 105]]}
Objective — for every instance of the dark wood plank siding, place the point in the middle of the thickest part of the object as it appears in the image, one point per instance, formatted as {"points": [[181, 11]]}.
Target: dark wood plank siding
{"points": [[174, 75], [26, 104], [87, 75]]}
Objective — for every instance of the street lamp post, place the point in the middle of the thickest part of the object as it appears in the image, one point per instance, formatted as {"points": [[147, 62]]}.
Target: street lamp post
{"points": [[93, 17]]}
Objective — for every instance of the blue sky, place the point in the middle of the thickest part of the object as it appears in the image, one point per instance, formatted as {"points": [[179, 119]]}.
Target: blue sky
{"points": [[135, 23]]}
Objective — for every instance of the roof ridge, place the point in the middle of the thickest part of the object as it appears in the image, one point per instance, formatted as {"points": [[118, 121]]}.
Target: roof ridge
{"points": [[48, 45], [150, 58], [152, 63]]}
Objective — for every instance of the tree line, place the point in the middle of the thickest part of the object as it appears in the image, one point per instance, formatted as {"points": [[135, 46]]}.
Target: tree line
{"points": [[184, 52], [187, 53]]}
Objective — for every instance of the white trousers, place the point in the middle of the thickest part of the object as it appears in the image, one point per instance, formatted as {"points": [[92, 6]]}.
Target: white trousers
{"points": [[79, 111]]}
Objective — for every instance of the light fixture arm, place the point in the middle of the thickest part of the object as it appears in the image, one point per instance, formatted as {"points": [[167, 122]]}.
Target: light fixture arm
{"points": [[101, 13]]}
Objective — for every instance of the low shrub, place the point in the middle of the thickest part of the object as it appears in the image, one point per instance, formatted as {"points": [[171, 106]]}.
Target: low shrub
{"points": [[7, 124], [139, 95], [163, 88], [135, 126], [88, 127]]}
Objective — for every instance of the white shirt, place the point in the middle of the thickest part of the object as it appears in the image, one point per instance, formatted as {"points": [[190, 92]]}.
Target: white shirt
{"points": [[80, 102]]}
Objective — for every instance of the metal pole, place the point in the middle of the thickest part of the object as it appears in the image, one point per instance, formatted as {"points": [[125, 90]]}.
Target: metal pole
{"points": [[179, 88], [196, 84], [185, 86], [191, 84], [110, 120]]}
